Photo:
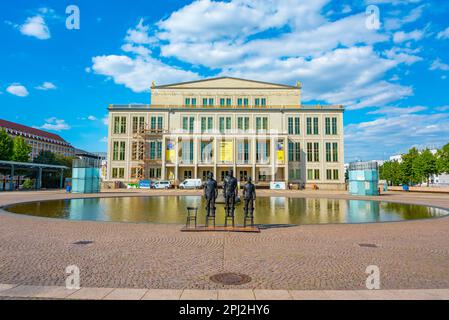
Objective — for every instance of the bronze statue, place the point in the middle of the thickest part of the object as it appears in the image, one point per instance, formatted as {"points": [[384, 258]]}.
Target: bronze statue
{"points": [[210, 193], [249, 194], [230, 193]]}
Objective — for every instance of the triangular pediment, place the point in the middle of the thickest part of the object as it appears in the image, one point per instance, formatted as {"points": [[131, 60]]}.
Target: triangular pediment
{"points": [[225, 83]]}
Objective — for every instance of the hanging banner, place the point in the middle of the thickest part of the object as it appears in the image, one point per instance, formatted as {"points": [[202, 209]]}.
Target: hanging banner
{"points": [[280, 152], [170, 154], [226, 151]]}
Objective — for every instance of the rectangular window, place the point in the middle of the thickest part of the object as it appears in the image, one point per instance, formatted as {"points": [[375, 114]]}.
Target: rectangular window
{"points": [[316, 152], [257, 102], [262, 151], [204, 102], [297, 125], [188, 124], [138, 124], [336, 174], [187, 151], [264, 102], [335, 152], [334, 125], [116, 125], [328, 174], [137, 150], [309, 152], [327, 125], [193, 102], [261, 124], [239, 102], [309, 174], [290, 125], [331, 152], [243, 123], [225, 123], [312, 125], [118, 173], [115, 150], [122, 151], [222, 102], [187, 102], [206, 124], [211, 102], [246, 102], [243, 151], [228, 102], [206, 151], [294, 151], [328, 152]]}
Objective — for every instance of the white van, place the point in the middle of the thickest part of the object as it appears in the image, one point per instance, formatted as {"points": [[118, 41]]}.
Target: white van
{"points": [[163, 184], [191, 184]]}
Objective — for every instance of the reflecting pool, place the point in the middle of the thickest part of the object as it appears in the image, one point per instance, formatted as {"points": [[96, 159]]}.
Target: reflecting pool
{"points": [[269, 210]]}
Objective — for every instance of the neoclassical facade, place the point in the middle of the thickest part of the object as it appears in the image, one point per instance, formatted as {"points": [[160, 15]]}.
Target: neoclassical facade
{"points": [[258, 129]]}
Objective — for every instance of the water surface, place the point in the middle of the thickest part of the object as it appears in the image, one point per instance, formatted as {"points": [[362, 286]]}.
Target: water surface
{"points": [[269, 210]]}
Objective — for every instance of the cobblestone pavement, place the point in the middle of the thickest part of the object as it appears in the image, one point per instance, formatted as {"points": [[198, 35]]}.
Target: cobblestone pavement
{"points": [[410, 254]]}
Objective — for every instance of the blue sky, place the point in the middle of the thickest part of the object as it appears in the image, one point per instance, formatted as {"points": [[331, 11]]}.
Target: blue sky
{"points": [[393, 79]]}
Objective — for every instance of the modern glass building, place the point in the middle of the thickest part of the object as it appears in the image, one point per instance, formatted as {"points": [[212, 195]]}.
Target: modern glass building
{"points": [[258, 129]]}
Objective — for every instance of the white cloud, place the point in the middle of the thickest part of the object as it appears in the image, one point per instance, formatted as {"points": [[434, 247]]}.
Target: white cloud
{"points": [[104, 140], [438, 65], [18, 90], [91, 118], [402, 36], [55, 124], [35, 27], [46, 86], [402, 127], [137, 74], [403, 55], [443, 34], [105, 120], [281, 41]]}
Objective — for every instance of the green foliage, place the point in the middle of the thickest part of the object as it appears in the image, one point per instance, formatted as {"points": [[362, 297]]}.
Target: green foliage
{"points": [[443, 159], [28, 184], [6, 145], [416, 167], [46, 157], [391, 172], [21, 150], [425, 165]]}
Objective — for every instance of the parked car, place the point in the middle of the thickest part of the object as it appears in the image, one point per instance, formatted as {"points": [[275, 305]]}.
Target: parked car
{"points": [[163, 184], [191, 184]]}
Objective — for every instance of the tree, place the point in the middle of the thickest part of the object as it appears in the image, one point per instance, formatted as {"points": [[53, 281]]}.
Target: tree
{"points": [[46, 157], [425, 165], [6, 145], [443, 159], [21, 150], [391, 172], [409, 175]]}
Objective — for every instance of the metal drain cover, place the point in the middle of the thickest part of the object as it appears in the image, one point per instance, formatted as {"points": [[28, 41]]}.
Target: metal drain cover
{"points": [[368, 245], [83, 242], [230, 278]]}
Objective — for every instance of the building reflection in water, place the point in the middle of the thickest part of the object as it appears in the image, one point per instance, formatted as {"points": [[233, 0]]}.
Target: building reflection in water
{"points": [[269, 210]]}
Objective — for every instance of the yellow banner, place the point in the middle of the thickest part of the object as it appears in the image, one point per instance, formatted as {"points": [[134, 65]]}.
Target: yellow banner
{"points": [[170, 156], [280, 152], [280, 156], [226, 151]]}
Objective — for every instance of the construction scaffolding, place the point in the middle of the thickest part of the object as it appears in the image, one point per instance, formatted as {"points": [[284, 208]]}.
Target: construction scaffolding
{"points": [[147, 150]]}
